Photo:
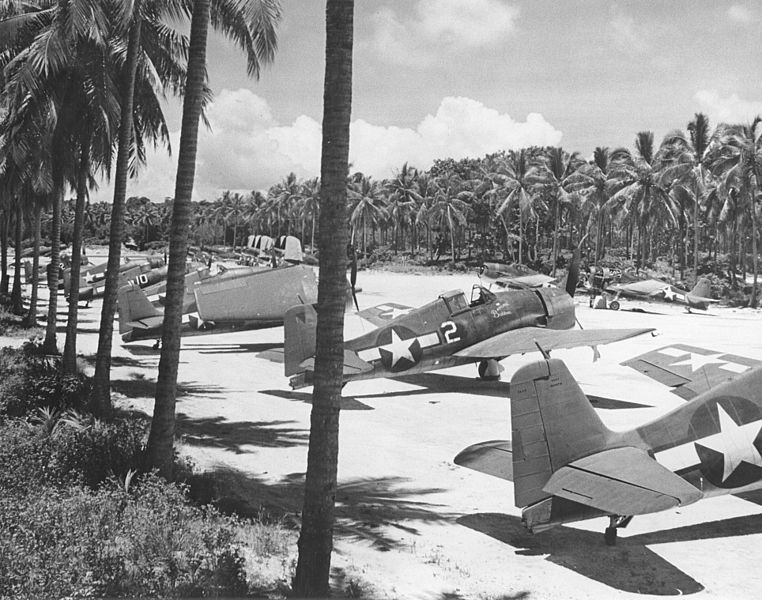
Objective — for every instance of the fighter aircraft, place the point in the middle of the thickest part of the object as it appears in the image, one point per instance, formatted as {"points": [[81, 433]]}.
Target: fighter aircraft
{"points": [[447, 332], [512, 276], [567, 466], [654, 289], [92, 279], [231, 301]]}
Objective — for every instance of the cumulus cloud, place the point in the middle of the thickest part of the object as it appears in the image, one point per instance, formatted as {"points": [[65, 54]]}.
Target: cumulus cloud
{"points": [[437, 27], [730, 109], [248, 150], [739, 13]]}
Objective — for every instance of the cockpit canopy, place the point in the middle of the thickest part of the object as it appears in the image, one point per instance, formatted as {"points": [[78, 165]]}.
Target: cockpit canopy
{"points": [[456, 299]]}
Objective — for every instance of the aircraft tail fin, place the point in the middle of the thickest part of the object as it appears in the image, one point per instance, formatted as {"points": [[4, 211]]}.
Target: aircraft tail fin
{"points": [[702, 289], [299, 324], [553, 424], [133, 305]]}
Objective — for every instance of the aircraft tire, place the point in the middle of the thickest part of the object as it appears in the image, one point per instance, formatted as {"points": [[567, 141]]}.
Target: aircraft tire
{"points": [[489, 370], [614, 305], [610, 536]]}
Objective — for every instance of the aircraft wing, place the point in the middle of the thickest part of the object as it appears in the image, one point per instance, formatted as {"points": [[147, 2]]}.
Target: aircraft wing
{"points": [[353, 364], [690, 370], [526, 339], [383, 313], [147, 322], [621, 481], [493, 458]]}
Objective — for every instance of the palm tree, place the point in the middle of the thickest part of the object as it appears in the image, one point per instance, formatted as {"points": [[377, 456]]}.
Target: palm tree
{"points": [[402, 200], [555, 173], [310, 205], [735, 157], [368, 206], [638, 192], [683, 158], [591, 181], [448, 210], [252, 25], [316, 536]]}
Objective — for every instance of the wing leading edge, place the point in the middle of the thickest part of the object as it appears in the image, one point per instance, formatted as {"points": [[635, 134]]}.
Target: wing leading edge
{"points": [[526, 339]]}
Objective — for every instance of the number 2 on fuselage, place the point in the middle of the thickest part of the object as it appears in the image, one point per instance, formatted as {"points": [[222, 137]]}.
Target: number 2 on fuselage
{"points": [[450, 332]]}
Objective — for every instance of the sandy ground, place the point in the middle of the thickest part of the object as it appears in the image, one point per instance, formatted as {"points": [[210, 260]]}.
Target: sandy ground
{"points": [[411, 523]]}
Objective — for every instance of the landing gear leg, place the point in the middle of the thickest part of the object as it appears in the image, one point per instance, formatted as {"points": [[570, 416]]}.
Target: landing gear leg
{"points": [[615, 522], [490, 370], [157, 345]]}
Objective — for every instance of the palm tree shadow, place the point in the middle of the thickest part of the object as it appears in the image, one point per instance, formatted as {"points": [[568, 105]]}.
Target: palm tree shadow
{"points": [[365, 508], [234, 436], [630, 566], [146, 388]]}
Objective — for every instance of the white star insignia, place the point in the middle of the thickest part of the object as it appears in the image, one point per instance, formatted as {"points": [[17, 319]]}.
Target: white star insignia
{"points": [[398, 348], [394, 312], [735, 442], [89, 278], [696, 361], [669, 294]]}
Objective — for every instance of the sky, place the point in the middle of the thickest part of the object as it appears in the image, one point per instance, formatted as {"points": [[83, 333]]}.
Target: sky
{"points": [[464, 78]]}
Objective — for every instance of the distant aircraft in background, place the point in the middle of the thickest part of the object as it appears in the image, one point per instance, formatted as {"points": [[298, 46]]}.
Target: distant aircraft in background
{"points": [[512, 276], [655, 290], [92, 279], [567, 466]]}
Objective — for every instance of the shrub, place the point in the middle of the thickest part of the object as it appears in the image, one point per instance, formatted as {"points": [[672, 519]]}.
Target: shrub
{"points": [[29, 379]]}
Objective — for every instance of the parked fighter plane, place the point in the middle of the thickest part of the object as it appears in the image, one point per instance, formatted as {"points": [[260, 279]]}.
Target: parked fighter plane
{"points": [[447, 332], [567, 466], [231, 301], [654, 289], [512, 276], [92, 279]]}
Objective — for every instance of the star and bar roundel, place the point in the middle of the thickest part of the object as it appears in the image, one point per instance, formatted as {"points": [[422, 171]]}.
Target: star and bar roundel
{"points": [[726, 445], [398, 348]]}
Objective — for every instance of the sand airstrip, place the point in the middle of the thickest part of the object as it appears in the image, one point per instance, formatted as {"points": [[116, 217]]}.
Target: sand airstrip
{"points": [[412, 524]]}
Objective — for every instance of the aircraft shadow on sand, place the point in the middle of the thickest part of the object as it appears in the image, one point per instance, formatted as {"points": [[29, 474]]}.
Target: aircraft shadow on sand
{"points": [[347, 402], [146, 388], [629, 566], [122, 361], [218, 432], [365, 508]]}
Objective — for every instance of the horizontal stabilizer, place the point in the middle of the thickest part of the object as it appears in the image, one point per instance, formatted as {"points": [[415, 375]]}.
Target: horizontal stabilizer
{"points": [[383, 313], [621, 481], [690, 370], [492, 458], [353, 364], [526, 339]]}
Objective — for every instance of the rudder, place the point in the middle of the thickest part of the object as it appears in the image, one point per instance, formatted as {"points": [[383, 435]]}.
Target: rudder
{"points": [[299, 325], [553, 423], [132, 305]]}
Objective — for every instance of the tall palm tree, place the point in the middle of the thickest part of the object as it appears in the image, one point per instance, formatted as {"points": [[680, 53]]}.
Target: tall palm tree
{"points": [[556, 170], [448, 209], [252, 24], [639, 194], [683, 157], [517, 175], [403, 198], [368, 206], [316, 536], [736, 159], [591, 181]]}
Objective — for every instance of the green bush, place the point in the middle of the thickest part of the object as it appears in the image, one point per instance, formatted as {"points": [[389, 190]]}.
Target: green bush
{"points": [[146, 541], [30, 379]]}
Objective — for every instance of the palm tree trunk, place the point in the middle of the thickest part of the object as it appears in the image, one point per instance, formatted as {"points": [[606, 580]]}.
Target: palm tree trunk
{"points": [[160, 449], [31, 316], [754, 257], [70, 345], [4, 278], [100, 398], [316, 536], [556, 219], [17, 305], [50, 345]]}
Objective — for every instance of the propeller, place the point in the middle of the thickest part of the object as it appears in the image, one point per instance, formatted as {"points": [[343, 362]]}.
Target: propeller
{"points": [[572, 279], [353, 276]]}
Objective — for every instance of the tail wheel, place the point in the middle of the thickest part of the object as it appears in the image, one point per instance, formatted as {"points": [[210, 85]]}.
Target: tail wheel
{"points": [[614, 305]]}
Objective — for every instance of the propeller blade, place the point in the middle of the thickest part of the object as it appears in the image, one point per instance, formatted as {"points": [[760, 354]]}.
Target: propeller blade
{"points": [[353, 278], [573, 278]]}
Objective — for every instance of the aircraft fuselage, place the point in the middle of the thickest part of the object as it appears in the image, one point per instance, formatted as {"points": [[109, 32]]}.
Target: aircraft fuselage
{"points": [[425, 338]]}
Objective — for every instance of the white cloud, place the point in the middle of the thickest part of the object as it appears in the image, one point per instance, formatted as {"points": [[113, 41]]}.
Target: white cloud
{"points": [[247, 149], [627, 36], [435, 28], [739, 13], [731, 109]]}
